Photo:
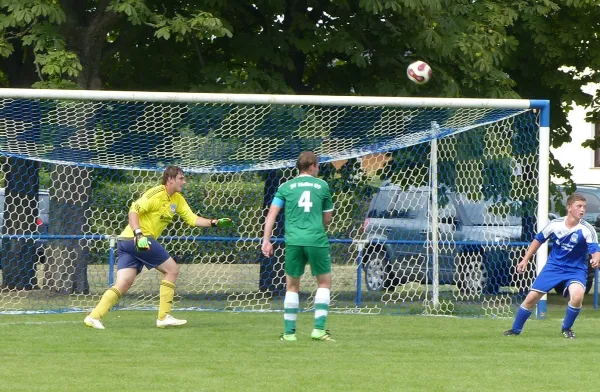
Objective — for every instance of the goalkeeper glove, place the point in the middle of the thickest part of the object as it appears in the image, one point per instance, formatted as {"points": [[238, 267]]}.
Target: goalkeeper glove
{"points": [[141, 242], [222, 222]]}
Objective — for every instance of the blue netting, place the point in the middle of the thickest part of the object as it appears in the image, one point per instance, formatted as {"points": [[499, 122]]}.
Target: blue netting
{"points": [[215, 137]]}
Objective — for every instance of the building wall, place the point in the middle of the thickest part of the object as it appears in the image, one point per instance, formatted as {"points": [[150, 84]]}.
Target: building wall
{"points": [[581, 158]]}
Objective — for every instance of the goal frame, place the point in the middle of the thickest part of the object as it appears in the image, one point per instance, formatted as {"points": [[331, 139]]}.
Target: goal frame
{"points": [[266, 99]]}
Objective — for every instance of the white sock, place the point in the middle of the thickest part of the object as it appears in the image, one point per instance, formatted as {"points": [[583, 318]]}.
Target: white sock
{"points": [[322, 298], [290, 311]]}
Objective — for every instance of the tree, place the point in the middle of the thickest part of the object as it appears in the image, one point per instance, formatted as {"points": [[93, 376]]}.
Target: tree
{"points": [[61, 44], [18, 256], [558, 54], [484, 48], [66, 41], [352, 47], [488, 49]]}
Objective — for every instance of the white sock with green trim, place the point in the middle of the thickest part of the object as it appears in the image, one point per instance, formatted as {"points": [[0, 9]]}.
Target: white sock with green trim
{"points": [[321, 307], [290, 312]]}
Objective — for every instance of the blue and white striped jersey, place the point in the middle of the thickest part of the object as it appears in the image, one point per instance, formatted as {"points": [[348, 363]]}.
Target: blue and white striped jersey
{"points": [[570, 247]]}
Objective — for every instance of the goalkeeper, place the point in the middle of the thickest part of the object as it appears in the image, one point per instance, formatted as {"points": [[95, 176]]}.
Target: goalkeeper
{"points": [[137, 246]]}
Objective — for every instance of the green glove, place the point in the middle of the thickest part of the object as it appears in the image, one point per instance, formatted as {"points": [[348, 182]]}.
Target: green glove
{"points": [[222, 222], [141, 242]]}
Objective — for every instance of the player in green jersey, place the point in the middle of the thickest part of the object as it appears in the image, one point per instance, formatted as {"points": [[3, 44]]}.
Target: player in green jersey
{"points": [[308, 211], [137, 246]]}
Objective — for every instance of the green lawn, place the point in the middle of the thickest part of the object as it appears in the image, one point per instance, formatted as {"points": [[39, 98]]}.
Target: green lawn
{"points": [[221, 351]]}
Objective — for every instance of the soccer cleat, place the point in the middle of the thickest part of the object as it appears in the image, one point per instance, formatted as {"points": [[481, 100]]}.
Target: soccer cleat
{"points": [[288, 338], [169, 321], [568, 333], [93, 323], [321, 335], [511, 332]]}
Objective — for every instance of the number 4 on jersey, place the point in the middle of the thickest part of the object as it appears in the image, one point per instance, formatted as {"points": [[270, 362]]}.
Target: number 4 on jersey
{"points": [[305, 202]]}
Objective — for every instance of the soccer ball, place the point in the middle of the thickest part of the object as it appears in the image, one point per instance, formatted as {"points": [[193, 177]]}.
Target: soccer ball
{"points": [[419, 72]]}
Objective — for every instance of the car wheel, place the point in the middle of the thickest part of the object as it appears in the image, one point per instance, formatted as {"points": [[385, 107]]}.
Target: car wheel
{"points": [[471, 274], [559, 288], [378, 272], [589, 283]]}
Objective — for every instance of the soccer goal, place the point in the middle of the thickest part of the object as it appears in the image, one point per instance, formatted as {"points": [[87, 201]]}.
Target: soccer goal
{"points": [[435, 199]]}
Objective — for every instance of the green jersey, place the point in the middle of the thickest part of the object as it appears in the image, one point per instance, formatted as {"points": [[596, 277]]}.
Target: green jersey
{"points": [[305, 199]]}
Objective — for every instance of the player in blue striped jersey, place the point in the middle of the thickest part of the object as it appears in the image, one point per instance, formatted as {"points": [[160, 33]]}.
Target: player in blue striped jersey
{"points": [[572, 239]]}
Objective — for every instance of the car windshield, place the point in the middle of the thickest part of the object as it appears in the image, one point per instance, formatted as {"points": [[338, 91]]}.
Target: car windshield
{"points": [[396, 204], [393, 203], [484, 213]]}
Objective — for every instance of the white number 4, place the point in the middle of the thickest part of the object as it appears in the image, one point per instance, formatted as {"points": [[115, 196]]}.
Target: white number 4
{"points": [[305, 201]]}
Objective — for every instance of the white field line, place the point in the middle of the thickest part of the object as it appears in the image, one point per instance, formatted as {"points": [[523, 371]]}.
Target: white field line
{"points": [[11, 323]]}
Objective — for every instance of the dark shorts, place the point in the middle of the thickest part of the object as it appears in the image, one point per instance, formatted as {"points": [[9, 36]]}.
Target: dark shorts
{"points": [[129, 257], [296, 258], [552, 275]]}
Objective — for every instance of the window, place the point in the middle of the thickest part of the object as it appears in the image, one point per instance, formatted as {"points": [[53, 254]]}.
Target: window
{"points": [[409, 204]]}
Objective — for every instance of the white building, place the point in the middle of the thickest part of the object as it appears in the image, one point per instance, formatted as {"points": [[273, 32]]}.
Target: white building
{"points": [[585, 161]]}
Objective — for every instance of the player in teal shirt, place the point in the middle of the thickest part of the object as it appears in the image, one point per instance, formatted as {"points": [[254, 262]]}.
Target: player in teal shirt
{"points": [[308, 211]]}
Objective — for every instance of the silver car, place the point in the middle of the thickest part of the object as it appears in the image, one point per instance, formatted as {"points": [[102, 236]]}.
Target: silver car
{"points": [[474, 244]]}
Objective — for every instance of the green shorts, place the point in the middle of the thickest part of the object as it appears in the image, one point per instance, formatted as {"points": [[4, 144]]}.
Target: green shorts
{"points": [[296, 258]]}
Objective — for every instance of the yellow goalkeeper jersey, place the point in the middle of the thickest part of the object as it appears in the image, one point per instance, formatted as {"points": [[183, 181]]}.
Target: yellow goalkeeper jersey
{"points": [[156, 210]]}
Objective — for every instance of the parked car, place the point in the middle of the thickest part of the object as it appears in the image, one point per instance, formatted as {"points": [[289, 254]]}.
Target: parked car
{"points": [[592, 197], [474, 241], [592, 216], [42, 220]]}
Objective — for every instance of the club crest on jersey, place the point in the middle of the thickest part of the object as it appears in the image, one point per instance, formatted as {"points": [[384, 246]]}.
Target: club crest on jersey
{"points": [[173, 208], [574, 237]]}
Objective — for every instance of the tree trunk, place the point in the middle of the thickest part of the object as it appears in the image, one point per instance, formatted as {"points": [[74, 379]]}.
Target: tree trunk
{"points": [[19, 255], [66, 259], [272, 272], [295, 77], [85, 34], [90, 57], [19, 67]]}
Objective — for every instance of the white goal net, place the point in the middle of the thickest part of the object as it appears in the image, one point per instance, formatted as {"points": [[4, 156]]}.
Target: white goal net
{"points": [[435, 200]]}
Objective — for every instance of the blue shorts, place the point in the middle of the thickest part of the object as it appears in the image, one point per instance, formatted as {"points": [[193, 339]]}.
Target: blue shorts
{"points": [[552, 275], [129, 257]]}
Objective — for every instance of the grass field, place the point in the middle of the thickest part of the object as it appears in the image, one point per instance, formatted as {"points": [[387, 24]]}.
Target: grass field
{"points": [[221, 351]]}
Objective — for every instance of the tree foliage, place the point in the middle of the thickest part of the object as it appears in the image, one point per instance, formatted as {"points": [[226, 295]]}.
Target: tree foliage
{"points": [[68, 40], [546, 49], [484, 48]]}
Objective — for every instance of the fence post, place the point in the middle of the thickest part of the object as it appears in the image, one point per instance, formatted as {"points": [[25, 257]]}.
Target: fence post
{"points": [[359, 267], [111, 260]]}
